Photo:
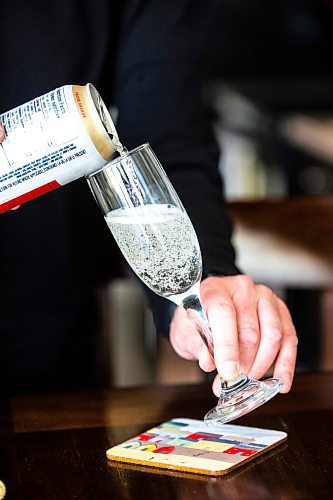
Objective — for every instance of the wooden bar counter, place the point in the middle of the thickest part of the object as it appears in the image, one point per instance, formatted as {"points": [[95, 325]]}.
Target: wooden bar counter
{"points": [[53, 446]]}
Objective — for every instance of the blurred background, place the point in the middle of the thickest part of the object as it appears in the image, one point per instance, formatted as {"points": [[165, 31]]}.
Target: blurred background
{"points": [[270, 96]]}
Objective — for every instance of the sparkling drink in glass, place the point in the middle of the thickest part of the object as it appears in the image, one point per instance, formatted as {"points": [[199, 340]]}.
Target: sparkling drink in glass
{"points": [[156, 237]]}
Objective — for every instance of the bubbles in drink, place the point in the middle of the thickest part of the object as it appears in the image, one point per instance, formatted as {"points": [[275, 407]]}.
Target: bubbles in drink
{"points": [[160, 244]]}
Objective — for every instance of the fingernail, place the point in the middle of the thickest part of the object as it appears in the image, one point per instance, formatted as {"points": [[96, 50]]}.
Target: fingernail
{"points": [[286, 384], [229, 370]]}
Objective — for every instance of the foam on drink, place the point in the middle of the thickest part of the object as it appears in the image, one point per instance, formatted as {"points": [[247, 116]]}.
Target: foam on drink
{"points": [[160, 244]]}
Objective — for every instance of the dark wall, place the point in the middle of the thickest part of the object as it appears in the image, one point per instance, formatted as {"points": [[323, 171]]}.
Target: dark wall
{"points": [[263, 38]]}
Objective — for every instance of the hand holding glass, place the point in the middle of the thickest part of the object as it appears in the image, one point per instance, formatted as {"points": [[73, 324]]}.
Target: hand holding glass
{"points": [[157, 238]]}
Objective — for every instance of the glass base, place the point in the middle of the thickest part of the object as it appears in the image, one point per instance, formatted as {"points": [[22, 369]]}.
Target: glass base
{"points": [[242, 397]]}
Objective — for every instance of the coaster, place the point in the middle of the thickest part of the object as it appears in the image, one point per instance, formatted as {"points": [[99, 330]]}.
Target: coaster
{"points": [[184, 444], [2, 490]]}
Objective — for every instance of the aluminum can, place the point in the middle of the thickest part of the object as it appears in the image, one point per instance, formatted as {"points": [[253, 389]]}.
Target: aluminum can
{"points": [[52, 140]]}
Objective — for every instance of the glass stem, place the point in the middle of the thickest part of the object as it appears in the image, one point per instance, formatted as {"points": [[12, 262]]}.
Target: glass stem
{"points": [[193, 307]]}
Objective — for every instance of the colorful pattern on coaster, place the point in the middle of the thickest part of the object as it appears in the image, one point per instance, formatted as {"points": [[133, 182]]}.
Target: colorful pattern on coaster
{"points": [[187, 444]]}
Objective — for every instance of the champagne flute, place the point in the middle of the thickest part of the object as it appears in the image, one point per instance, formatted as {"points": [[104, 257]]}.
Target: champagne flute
{"points": [[156, 237]]}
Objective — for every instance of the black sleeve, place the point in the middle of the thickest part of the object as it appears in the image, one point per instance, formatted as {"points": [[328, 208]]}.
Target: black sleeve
{"points": [[158, 91]]}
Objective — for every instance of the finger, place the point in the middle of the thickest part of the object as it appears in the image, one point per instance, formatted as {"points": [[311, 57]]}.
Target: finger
{"points": [[182, 340], [286, 360], [271, 329], [206, 361], [217, 386], [183, 336], [2, 133], [245, 300], [187, 342], [223, 323]]}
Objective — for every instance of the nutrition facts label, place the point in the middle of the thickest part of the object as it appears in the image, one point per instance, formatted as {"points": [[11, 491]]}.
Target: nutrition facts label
{"points": [[35, 129]]}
